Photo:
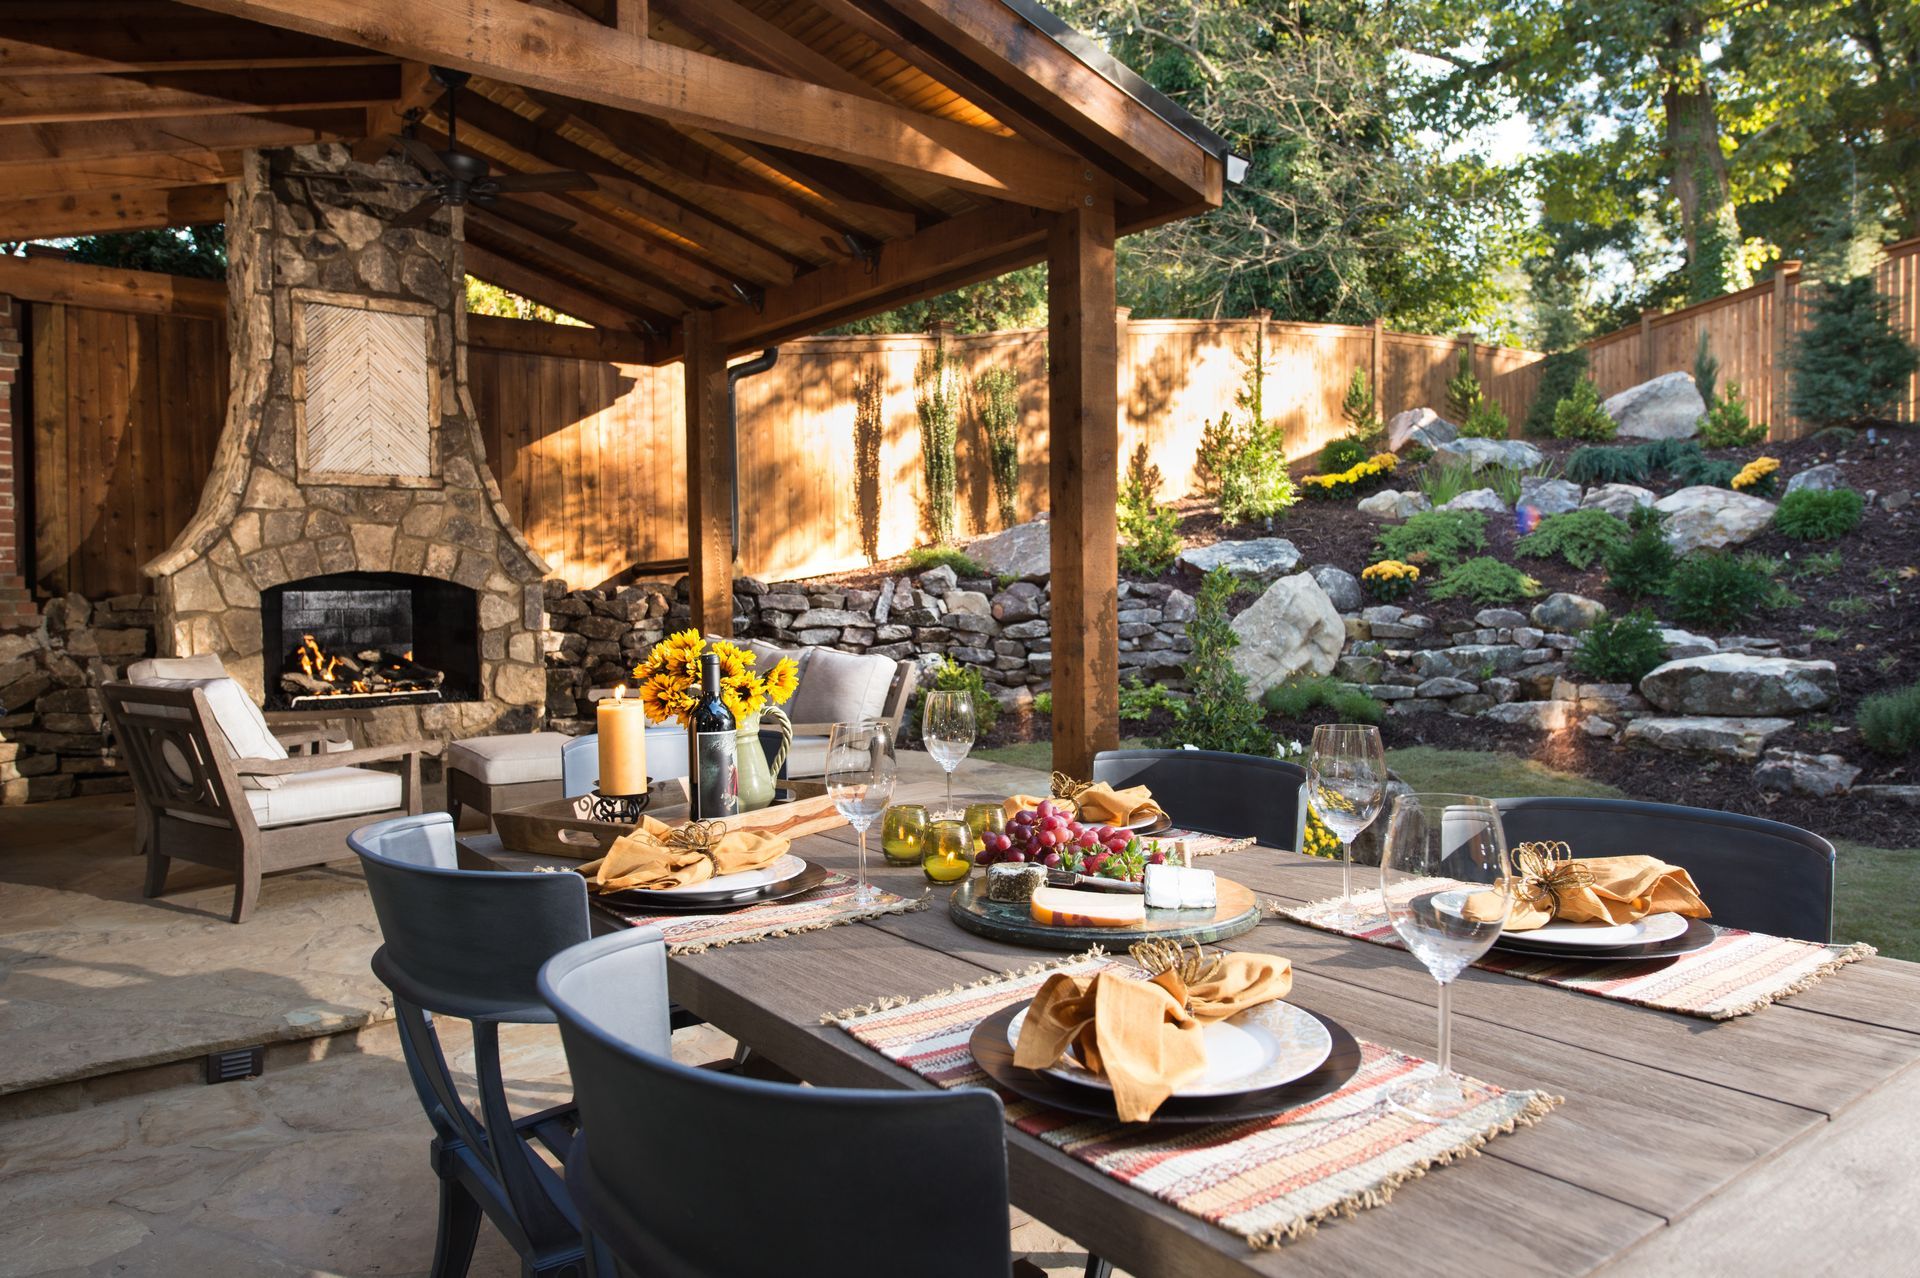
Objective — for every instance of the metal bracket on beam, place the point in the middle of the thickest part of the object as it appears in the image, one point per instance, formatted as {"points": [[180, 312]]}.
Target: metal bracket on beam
{"points": [[752, 294], [864, 250]]}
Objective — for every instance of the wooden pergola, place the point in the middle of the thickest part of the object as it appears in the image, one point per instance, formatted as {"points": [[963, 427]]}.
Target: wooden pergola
{"points": [[763, 169]]}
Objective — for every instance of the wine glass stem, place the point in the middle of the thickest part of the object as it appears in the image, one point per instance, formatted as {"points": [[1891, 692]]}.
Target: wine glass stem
{"points": [[1446, 1029], [1346, 871], [861, 889], [949, 769]]}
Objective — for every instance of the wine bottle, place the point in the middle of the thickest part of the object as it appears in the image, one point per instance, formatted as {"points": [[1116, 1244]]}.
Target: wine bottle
{"points": [[715, 772]]}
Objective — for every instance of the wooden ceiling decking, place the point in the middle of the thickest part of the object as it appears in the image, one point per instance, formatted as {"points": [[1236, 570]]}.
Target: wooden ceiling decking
{"points": [[779, 166]]}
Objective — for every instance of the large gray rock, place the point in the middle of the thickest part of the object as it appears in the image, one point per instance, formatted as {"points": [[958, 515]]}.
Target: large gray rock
{"points": [[1737, 684], [1483, 499], [1514, 454], [1569, 612], [1391, 504], [1723, 737], [1710, 518], [1342, 587], [1618, 500], [1262, 559], [1668, 407], [1821, 478], [1291, 629], [1541, 716], [1024, 550], [1684, 643], [1420, 426], [1792, 772], [1549, 496]]}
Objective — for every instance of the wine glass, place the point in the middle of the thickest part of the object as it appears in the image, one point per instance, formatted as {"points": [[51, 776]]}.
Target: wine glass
{"points": [[946, 725], [860, 775], [1456, 848], [1346, 786]]}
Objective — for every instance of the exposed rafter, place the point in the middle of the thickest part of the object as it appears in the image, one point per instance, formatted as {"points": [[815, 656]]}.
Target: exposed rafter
{"points": [[55, 99], [113, 139], [118, 210]]}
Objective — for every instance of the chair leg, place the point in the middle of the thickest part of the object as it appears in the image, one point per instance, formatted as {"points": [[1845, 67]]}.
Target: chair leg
{"points": [[157, 865], [1098, 1268], [246, 889], [459, 1230]]}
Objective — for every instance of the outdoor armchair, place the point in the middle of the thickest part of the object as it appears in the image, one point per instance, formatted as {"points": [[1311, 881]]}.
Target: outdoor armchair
{"points": [[1242, 796]]}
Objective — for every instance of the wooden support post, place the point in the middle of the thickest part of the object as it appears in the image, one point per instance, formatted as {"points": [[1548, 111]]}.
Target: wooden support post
{"points": [[710, 480], [1646, 346], [1083, 483], [1777, 415], [1374, 357]]}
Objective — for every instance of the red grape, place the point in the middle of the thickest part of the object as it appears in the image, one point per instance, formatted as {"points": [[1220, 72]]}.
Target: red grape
{"points": [[1015, 857], [1051, 860], [1046, 838]]}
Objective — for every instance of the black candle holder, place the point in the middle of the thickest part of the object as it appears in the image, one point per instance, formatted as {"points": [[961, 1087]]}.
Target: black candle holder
{"points": [[622, 809]]}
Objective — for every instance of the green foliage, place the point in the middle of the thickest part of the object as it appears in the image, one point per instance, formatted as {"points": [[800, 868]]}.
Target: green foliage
{"points": [[1439, 537], [1139, 700], [1643, 567], [1812, 514], [1150, 532], [1889, 722], [996, 395], [1706, 367], [952, 676], [1714, 588], [938, 389], [1442, 481], [1620, 649], [869, 432], [1506, 480], [1219, 714], [1302, 693], [1854, 606], [1017, 299], [1463, 389], [199, 251], [1220, 443], [1696, 469], [1362, 414], [1850, 364], [924, 558], [1559, 373], [1580, 416], [490, 299], [1043, 703], [1592, 466], [1485, 421], [1726, 424], [1338, 454], [1485, 580], [1581, 537], [1824, 564], [1254, 483]]}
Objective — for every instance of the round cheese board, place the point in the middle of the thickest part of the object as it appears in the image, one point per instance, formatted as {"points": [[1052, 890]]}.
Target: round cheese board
{"points": [[1236, 911]]}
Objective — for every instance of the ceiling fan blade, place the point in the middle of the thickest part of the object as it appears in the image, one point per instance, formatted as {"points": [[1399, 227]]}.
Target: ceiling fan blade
{"points": [[528, 216], [561, 181], [418, 214], [423, 155], [354, 177]]}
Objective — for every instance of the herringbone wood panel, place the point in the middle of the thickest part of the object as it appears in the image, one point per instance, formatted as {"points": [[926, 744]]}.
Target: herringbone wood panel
{"points": [[368, 400]]}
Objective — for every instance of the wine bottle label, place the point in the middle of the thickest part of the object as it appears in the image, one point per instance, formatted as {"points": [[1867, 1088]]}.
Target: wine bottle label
{"points": [[719, 775]]}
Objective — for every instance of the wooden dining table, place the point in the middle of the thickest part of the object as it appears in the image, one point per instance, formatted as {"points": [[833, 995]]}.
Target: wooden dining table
{"points": [[1683, 1145]]}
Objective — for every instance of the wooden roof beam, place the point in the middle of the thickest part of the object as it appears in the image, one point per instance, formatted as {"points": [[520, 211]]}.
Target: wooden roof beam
{"points": [[523, 45], [55, 99], [536, 285], [124, 173], [563, 341], [118, 139], [417, 92], [91, 212], [38, 38], [496, 225]]}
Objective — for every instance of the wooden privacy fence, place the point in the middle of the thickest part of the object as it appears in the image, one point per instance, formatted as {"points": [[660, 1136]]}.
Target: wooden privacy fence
{"points": [[590, 454], [1752, 332]]}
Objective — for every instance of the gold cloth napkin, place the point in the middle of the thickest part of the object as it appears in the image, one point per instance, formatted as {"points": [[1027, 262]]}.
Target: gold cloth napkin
{"points": [[1600, 889], [658, 856], [1099, 803], [1143, 1036]]}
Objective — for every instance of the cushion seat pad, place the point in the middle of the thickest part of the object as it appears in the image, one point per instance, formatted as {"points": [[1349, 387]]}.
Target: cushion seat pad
{"points": [[509, 760]]}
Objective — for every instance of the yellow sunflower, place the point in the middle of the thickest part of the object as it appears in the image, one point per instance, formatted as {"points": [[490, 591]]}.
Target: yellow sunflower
{"points": [[782, 680]]}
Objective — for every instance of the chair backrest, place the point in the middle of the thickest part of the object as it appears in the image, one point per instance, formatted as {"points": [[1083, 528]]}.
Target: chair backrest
{"points": [[176, 754], [463, 942], [690, 1172], [1760, 875], [1239, 795], [580, 759]]}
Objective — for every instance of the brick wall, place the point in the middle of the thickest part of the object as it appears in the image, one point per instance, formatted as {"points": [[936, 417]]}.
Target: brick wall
{"points": [[16, 605]]}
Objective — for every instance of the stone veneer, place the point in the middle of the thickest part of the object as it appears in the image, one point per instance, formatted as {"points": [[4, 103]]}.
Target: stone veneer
{"points": [[259, 525]]}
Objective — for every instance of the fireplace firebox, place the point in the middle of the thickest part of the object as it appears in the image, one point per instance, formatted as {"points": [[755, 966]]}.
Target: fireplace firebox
{"points": [[362, 639]]}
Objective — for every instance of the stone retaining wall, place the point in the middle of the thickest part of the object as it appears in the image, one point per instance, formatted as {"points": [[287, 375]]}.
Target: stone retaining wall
{"points": [[52, 739]]}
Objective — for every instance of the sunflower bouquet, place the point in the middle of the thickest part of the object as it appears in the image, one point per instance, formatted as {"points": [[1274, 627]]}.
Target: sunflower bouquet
{"points": [[669, 679]]}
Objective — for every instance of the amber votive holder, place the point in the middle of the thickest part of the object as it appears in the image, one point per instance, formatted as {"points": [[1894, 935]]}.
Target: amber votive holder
{"points": [[903, 832], [948, 853]]}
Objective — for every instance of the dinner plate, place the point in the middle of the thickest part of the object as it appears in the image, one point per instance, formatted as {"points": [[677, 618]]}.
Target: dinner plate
{"points": [[1155, 824], [722, 886], [627, 905], [1650, 930], [1699, 935], [1253, 1050]]}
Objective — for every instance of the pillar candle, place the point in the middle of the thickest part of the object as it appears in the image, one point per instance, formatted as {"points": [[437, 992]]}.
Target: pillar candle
{"points": [[623, 744]]}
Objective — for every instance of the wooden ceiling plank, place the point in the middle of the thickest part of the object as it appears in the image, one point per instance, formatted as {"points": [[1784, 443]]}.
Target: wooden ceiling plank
{"points": [[55, 99], [633, 252], [81, 43], [98, 139], [92, 212], [417, 92], [122, 173], [498, 228], [523, 45], [530, 282], [562, 341]]}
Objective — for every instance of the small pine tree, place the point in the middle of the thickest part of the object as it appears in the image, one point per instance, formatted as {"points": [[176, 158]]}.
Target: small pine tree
{"points": [[1463, 388], [1219, 714], [1706, 368], [1850, 364], [1219, 442], [1486, 421], [1580, 416], [1360, 411], [1558, 374]]}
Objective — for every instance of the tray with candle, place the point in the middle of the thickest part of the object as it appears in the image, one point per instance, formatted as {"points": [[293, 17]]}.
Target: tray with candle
{"points": [[563, 828]]}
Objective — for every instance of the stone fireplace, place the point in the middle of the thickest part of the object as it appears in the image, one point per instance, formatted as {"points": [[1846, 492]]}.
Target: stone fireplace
{"points": [[351, 480]]}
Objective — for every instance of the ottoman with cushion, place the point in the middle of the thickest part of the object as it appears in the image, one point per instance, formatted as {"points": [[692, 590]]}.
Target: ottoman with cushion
{"points": [[489, 774]]}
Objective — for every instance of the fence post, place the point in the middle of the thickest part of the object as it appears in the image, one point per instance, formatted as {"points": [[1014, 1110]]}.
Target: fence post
{"points": [[1373, 368], [1123, 383], [1646, 346], [1777, 414]]}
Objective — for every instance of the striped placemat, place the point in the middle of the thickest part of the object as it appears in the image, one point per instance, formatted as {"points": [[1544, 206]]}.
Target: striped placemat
{"points": [[828, 905], [1268, 1180], [1740, 972], [1199, 845]]}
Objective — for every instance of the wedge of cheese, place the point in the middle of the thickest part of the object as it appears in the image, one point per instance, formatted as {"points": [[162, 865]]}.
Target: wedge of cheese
{"points": [[1065, 907]]}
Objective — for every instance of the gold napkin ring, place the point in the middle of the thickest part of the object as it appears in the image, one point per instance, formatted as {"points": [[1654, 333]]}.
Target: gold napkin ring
{"points": [[1546, 869], [698, 836], [1065, 787], [1158, 957]]}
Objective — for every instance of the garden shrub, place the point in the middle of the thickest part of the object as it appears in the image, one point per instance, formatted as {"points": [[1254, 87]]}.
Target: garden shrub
{"points": [[1559, 373], [1150, 532], [1706, 367], [869, 432], [952, 676], [1338, 454], [1590, 466], [1219, 441], [1579, 415], [1043, 703], [1252, 468], [996, 392], [1486, 421], [1434, 536], [1812, 514], [1362, 416], [1581, 537], [1357, 478], [1757, 478], [1463, 388], [1389, 579], [1726, 424], [1304, 692], [1642, 567], [1714, 588], [1620, 649], [1850, 364], [938, 389], [1442, 481], [1218, 714], [924, 558], [1889, 722], [1485, 580], [1138, 700]]}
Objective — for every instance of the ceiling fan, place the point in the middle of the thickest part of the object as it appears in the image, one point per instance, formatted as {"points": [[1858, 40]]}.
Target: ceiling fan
{"points": [[453, 178]]}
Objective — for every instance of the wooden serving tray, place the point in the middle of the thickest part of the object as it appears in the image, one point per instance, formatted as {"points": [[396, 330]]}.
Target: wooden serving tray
{"points": [[1014, 923], [554, 828]]}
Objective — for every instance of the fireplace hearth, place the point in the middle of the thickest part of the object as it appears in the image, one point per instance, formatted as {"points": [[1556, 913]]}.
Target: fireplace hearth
{"points": [[362, 639]]}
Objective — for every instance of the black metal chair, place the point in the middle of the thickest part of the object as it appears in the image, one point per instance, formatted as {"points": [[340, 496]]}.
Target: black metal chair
{"points": [[1760, 875], [682, 1171], [1237, 795], [469, 944]]}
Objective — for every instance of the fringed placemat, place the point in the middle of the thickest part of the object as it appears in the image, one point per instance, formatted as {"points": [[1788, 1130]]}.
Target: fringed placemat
{"points": [[1269, 1180], [829, 905], [1199, 845], [1741, 972]]}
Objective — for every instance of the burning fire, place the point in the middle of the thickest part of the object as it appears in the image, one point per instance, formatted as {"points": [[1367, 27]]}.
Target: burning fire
{"points": [[315, 660], [374, 672]]}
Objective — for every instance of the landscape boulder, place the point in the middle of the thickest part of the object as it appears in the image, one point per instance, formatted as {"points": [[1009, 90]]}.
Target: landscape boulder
{"points": [[1024, 550], [1262, 559], [1484, 499], [1792, 772], [1618, 500], [1541, 716], [1563, 611], [1820, 478], [1684, 643], [1514, 454], [1549, 496], [1718, 735], [1703, 517], [1389, 503], [1668, 407], [1293, 628], [1342, 587], [1733, 683], [1420, 426]]}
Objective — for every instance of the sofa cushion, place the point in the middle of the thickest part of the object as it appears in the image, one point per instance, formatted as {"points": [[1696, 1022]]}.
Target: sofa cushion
{"points": [[841, 687], [325, 794], [239, 720], [154, 669], [509, 760], [807, 757]]}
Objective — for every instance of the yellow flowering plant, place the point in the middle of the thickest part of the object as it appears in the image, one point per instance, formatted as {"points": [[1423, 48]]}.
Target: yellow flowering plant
{"points": [[1320, 841], [1389, 579], [1757, 477], [1353, 479], [669, 679]]}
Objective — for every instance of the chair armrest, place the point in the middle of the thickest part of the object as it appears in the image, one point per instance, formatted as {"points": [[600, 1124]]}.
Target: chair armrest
{"points": [[342, 759]]}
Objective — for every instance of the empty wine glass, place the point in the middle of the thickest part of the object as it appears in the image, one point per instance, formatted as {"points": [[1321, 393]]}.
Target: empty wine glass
{"points": [[1444, 878], [1346, 785], [859, 775], [947, 727]]}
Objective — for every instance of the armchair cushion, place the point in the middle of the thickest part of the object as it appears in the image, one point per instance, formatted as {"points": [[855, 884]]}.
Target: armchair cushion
{"points": [[241, 722], [840, 687], [807, 757], [324, 794], [509, 760]]}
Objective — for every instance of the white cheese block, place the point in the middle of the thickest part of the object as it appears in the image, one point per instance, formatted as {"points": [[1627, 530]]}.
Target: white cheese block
{"points": [[1198, 890], [1163, 887], [1175, 887]]}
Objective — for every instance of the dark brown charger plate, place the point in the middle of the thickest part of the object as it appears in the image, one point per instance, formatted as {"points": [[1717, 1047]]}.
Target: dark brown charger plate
{"points": [[627, 904], [1698, 936], [991, 1050]]}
